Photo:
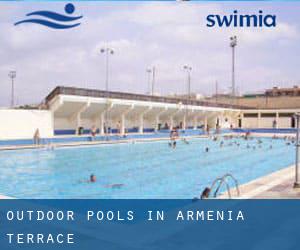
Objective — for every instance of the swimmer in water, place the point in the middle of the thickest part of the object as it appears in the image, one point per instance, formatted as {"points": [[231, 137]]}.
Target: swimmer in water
{"points": [[248, 146], [174, 144], [117, 185], [185, 141], [207, 149], [92, 178]]}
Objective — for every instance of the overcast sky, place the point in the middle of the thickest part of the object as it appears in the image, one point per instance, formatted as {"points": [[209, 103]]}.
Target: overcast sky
{"points": [[167, 35]]}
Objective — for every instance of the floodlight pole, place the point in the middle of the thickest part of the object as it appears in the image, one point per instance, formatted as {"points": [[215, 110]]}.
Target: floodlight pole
{"points": [[149, 72], [188, 69], [217, 90], [12, 75], [233, 44], [153, 80], [107, 51], [297, 181]]}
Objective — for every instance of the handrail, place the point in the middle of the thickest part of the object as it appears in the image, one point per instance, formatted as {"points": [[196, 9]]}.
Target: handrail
{"points": [[235, 182], [220, 181]]}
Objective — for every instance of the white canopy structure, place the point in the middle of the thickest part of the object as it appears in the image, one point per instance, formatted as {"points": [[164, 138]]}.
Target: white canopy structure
{"points": [[74, 108]]}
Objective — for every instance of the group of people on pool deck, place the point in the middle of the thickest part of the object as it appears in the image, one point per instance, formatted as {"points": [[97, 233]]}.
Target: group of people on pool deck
{"points": [[93, 179]]}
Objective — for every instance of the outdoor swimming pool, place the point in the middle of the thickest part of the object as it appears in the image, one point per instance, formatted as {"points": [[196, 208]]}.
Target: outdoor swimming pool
{"points": [[147, 170]]}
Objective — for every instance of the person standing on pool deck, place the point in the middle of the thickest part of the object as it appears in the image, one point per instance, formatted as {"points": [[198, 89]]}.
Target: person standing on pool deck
{"points": [[207, 129], [274, 124], [36, 137], [119, 127], [93, 132], [104, 128]]}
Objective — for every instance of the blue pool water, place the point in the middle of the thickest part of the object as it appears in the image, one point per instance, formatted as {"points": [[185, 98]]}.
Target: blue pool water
{"points": [[147, 170]]}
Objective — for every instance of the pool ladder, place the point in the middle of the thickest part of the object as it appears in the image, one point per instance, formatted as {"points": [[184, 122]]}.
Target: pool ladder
{"points": [[223, 180]]}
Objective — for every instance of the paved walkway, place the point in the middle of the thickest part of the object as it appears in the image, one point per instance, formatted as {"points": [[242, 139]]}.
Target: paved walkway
{"points": [[5, 197], [278, 185], [96, 142]]}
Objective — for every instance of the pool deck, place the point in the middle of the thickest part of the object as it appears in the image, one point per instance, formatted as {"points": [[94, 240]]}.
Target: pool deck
{"points": [[5, 197], [98, 142], [277, 185], [130, 140]]}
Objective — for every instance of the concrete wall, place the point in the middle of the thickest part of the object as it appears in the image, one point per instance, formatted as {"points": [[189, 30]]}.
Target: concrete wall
{"points": [[64, 123], [225, 121], [22, 124], [266, 122], [280, 102], [250, 122], [284, 122]]}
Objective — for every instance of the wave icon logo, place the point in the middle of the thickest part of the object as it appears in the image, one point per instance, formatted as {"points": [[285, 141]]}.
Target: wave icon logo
{"points": [[53, 20]]}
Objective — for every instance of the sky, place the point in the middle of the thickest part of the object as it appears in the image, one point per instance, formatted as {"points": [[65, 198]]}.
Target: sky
{"points": [[144, 34]]}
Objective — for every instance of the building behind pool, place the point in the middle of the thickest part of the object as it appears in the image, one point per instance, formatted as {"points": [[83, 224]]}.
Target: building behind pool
{"points": [[72, 111]]}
